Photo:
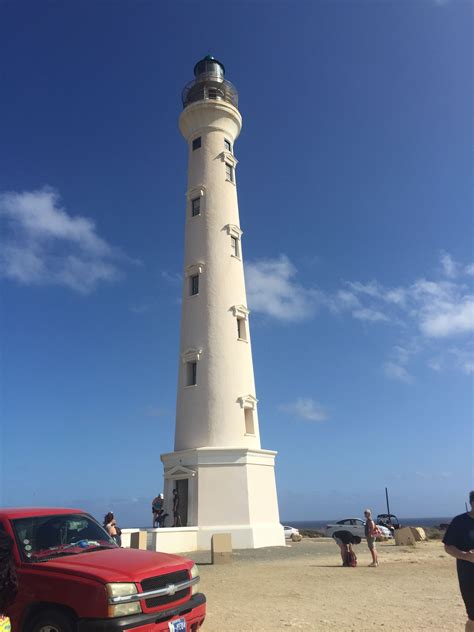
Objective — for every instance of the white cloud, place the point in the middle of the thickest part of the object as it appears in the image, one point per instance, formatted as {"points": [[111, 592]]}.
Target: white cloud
{"points": [[442, 308], [372, 288], [435, 364], [305, 408], [373, 315], [448, 319], [397, 372], [44, 245], [345, 299], [439, 308], [450, 267], [464, 359], [273, 291], [428, 310]]}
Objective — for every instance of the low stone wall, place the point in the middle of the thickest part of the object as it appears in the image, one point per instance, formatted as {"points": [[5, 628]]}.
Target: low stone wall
{"points": [[168, 540]]}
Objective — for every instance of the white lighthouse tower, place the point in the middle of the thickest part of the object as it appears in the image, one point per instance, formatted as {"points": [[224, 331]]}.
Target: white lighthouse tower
{"points": [[225, 481]]}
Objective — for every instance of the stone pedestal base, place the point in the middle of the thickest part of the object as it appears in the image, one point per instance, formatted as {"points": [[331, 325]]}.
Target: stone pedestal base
{"points": [[229, 490]]}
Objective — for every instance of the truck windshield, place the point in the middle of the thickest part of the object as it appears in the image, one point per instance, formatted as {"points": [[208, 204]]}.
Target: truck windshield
{"points": [[41, 538]]}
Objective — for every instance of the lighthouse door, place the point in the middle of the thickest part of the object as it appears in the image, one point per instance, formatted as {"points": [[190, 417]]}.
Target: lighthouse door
{"points": [[182, 488]]}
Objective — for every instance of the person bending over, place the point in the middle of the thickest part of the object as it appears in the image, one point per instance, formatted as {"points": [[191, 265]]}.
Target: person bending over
{"points": [[345, 540]]}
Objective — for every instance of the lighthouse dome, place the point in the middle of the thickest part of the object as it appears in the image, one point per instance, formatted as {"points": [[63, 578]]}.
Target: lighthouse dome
{"points": [[209, 65]]}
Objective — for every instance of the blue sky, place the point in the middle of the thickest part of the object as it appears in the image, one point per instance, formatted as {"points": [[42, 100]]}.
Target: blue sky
{"points": [[355, 193]]}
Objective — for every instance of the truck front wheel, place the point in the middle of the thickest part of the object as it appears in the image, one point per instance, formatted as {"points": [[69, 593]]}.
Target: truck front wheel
{"points": [[51, 621]]}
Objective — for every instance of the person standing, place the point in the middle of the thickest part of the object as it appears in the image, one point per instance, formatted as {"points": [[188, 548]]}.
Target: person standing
{"points": [[8, 580], [176, 516], [459, 543], [371, 533], [110, 525], [157, 509]]}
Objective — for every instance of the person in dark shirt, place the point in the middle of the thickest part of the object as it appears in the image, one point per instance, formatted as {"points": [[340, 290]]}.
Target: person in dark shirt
{"points": [[157, 510], [345, 540], [459, 542]]}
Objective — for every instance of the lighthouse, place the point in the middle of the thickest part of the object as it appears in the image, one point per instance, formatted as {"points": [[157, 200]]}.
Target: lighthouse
{"points": [[225, 481]]}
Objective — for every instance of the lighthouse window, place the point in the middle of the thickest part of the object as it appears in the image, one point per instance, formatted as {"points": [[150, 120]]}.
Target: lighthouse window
{"points": [[241, 329], [196, 143], [249, 424], [196, 207], [227, 145], [215, 93], [229, 172], [235, 246], [194, 284], [191, 373]]}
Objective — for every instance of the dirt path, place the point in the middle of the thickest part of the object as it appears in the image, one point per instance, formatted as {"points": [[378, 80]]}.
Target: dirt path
{"points": [[305, 588]]}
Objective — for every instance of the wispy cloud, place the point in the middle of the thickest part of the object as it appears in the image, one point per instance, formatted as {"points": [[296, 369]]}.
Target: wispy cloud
{"points": [[449, 265], [173, 278], [44, 245], [435, 364], [272, 290], [428, 310], [438, 308], [464, 359], [372, 315], [305, 408], [397, 371]]}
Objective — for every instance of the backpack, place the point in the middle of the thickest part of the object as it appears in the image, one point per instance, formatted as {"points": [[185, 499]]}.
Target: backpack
{"points": [[351, 559]]}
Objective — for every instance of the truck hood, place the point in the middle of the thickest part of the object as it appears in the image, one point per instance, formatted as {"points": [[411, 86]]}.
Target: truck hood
{"points": [[116, 565]]}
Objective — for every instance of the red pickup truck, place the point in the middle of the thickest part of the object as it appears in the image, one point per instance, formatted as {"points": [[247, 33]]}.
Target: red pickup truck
{"points": [[74, 578]]}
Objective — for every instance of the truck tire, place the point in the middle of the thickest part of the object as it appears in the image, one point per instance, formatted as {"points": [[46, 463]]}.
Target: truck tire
{"points": [[51, 621]]}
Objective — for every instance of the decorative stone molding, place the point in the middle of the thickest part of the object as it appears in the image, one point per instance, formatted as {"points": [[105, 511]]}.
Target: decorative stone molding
{"points": [[234, 231], [227, 156], [191, 355], [248, 401], [199, 191], [195, 268], [180, 472], [240, 311]]}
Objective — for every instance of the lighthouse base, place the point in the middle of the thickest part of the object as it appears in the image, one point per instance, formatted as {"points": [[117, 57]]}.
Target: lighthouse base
{"points": [[225, 490]]}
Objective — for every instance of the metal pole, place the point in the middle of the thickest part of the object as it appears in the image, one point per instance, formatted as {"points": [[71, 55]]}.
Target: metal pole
{"points": [[386, 496]]}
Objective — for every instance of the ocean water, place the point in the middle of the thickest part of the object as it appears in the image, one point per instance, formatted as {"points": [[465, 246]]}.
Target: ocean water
{"points": [[413, 522]]}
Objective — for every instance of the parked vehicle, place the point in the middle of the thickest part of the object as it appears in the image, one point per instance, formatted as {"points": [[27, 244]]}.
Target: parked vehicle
{"points": [[291, 531], [354, 526], [74, 578], [388, 520]]}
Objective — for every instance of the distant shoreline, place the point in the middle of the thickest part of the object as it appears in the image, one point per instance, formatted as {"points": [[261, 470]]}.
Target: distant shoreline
{"points": [[419, 522]]}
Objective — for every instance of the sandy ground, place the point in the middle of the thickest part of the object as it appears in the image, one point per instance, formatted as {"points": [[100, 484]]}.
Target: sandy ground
{"points": [[303, 587]]}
